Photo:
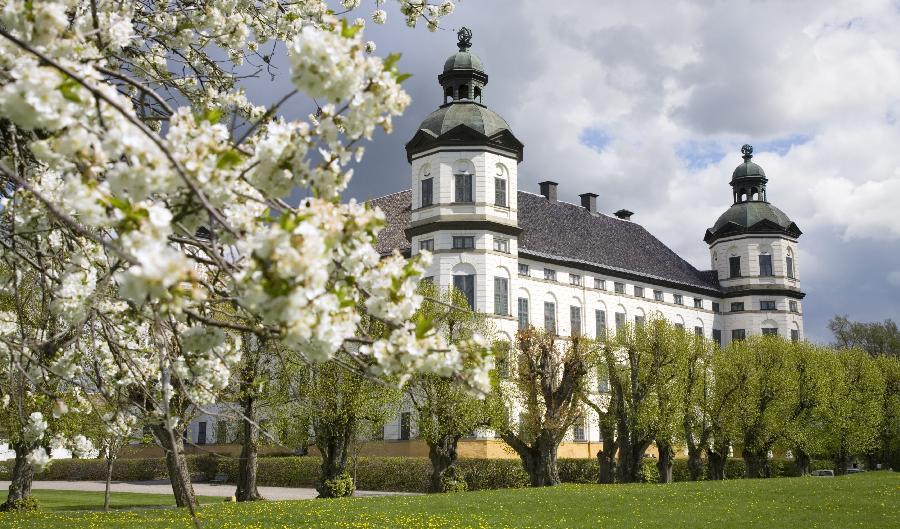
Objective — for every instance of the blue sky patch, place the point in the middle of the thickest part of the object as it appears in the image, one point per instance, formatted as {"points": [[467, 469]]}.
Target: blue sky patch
{"points": [[595, 138]]}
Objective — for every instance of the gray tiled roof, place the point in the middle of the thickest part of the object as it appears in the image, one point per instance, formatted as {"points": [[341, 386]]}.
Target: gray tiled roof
{"points": [[566, 232]]}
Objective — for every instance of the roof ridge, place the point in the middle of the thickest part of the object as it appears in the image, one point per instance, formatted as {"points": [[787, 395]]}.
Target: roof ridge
{"points": [[388, 195], [607, 215]]}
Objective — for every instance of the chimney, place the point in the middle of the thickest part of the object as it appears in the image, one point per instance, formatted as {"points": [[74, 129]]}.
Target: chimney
{"points": [[548, 189], [589, 201], [624, 214]]}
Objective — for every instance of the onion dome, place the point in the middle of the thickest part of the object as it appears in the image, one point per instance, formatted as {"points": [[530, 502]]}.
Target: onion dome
{"points": [[751, 211], [463, 119]]}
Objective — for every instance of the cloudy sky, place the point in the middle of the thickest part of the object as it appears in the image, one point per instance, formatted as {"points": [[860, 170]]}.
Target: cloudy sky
{"points": [[647, 104]]}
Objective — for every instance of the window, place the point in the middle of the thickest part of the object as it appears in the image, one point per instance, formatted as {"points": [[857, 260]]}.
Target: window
{"points": [[765, 265], [575, 320], [523, 313], [792, 305], [405, 426], [501, 245], [502, 349], [638, 292], [523, 269], [427, 192], [770, 331], [717, 337], [550, 274], [550, 317], [698, 303], [603, 383], [466, 285], [619, 287], [658, 295], [427, 244], [620, 320], [575, 279], [201, 433], [600, 323], [679, 299], [599, 284], [698, 330], [501, 296], [795, 335], [639, 320], [463, 242], [734, 264], [578, 432], [738, 335], [500, 192], [737, 307], [716, 307], [789, 265], [464, 187], [767, 305]]}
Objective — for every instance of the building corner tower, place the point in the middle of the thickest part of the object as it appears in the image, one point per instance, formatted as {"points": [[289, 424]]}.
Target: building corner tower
{"points": [[753, 247]]}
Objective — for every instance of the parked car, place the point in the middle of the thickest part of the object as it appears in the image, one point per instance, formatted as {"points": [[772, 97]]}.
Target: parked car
{"points": [[823, 473], [854, 470]]}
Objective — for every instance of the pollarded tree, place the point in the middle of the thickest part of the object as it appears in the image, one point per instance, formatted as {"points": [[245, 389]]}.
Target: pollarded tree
{"points": [[669, 388], [889, 443], [548, 385], [808, 366], [855, 406], [762, 415], [697, 394], [446, 410], [720, 408], [343, 407], [643, 367]]}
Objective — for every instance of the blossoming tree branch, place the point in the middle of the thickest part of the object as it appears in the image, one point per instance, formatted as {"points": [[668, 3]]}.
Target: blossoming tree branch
{"points": [[146, 229]]}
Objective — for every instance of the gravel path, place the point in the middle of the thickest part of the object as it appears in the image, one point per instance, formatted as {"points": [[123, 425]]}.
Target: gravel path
{"points": [[201, 489]]}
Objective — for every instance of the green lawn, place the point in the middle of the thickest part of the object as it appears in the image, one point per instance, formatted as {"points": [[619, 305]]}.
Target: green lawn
{"points": [[864, 500], [68, 500]]}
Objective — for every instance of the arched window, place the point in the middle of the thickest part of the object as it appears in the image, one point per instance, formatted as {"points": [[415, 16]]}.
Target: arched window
{"points": [[478, 93], [448, 93], [463, 91], [789, 264]]}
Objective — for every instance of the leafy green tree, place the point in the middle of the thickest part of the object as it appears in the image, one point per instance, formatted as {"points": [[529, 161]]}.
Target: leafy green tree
{"points": [[343, 406], [808, 367], [445, 409], [548, 384], [889, 449], [643, 363], [855, 406], [763, 401], [697, 396], [877, 339], [720, 408]]}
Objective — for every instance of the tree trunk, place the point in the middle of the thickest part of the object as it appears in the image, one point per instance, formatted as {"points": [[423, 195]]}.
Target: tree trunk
{"points": [[246, 483], [630, 466], [803, 462], [841, 461], [757, 462], [607, 460], [335, 451], [666, 461], [21, 479], [110, 458], [694, 463], [176, 464], [443, 454], [717, 458], [538, 459]]}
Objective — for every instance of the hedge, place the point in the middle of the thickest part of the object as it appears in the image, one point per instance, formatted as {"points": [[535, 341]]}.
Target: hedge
{"points": [[399, 474]]}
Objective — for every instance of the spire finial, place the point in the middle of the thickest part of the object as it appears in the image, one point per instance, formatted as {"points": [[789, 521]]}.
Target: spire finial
{"points": [[747, 151], [465, 38]]}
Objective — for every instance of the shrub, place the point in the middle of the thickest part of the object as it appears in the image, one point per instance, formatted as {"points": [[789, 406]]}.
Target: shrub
{"points": [[453, 481], [578, 470], [649, 472], [21, 505], [482, 474], [339, 487]]}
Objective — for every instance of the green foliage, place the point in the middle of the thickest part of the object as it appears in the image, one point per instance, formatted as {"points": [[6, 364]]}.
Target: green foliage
{"points": [[453, 481], [877, 339], [339, 487], [22, 505]]}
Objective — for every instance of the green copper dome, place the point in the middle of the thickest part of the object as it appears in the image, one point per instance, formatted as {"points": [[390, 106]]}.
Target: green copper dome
{"points": [[748, 214], [473, 115], [747, 169], [463, 60]]}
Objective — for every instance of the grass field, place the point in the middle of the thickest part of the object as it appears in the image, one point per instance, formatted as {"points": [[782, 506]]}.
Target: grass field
{"points": [[865, 500], [67, 500]]}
